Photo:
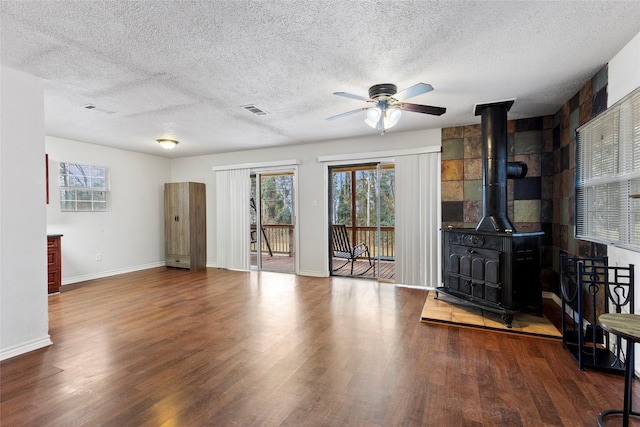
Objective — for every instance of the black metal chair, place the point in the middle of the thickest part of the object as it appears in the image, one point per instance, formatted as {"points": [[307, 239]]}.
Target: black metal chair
{"points": [[342, 248], [590, 287]]}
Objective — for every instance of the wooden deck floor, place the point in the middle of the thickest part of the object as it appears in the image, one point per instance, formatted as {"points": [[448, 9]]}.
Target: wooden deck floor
{"points": [[285, 264], [277, 263], [361, 269]]}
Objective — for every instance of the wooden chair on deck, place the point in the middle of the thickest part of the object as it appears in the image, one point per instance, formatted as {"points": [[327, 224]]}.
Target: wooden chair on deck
{"points": [[342, 248]]}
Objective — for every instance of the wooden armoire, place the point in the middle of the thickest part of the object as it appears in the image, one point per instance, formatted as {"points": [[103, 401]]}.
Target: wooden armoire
{"points": [[185, 227]]}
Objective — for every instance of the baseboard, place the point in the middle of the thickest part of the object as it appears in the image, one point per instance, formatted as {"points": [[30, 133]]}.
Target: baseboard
{"points": [[311, 273], [424, 288], [300, 273], [100, 275], [26, 347], [552, 296]]}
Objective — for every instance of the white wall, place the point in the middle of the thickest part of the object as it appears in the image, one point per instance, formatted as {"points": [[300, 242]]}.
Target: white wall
{"points": [[23, 243], [624, 71], [624, 77], [312, 184], [130, 235]]}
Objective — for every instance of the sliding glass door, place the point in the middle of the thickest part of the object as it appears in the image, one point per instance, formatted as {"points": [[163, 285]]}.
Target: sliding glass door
{"points": [[361, 198], [272, 221]]}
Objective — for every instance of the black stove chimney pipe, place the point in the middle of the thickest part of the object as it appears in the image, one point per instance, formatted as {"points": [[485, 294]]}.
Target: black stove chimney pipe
{"points": [[495, 169]]}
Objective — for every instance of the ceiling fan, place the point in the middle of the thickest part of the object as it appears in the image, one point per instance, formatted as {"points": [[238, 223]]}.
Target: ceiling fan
{"points": [[389, 103]]}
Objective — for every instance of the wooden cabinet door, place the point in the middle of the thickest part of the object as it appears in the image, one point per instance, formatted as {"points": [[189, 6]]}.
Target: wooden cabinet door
{"points": [[54, 264], [176, 208], [198, 225]]}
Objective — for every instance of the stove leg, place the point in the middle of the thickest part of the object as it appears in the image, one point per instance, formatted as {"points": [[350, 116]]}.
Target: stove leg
{"points": [[508, 319]]}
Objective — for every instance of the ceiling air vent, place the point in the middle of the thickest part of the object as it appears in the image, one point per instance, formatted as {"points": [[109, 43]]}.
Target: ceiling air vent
{"points": [[255, 110], [102, 110]]}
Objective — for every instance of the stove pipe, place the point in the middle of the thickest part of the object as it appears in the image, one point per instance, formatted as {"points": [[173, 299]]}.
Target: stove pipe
{"points": [[495, 168]]}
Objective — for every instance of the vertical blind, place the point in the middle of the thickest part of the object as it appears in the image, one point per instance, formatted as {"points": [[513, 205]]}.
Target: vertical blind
{"points": [[418, 219], [608, 176], [232, 219]]}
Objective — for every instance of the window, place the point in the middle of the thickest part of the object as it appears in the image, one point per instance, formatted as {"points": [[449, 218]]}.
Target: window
{"points": [[608, 176], [83, 188]]}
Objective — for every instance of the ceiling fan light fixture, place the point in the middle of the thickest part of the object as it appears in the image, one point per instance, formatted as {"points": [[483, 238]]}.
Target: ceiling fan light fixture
{"points": [[167, 144], [392, 116], [373, 116], [388, 105]]}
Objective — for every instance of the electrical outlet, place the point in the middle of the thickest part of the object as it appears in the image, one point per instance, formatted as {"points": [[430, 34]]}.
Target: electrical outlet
{"points": [[98, 257]]}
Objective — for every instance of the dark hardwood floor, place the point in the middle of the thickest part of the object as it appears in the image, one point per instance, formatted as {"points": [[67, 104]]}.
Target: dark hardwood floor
{"points": [[170, 347]]}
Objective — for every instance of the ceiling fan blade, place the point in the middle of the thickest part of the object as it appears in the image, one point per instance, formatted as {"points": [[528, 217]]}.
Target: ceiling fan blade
{"points": [[415, 90], [424, 109], [348, 113], [352, 96]]}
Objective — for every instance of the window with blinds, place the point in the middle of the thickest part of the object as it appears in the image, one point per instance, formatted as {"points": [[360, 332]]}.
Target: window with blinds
{"points": [[608, 176]]}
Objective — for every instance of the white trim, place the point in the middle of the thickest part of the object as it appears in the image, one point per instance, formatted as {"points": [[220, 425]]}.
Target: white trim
{"points": [[239, 270], [254, 165], [100, 275], [26, 347], [423, 288], [552, 296], [381, 154], [356, 162], [325, 223], [311, 273], [296, 220]]}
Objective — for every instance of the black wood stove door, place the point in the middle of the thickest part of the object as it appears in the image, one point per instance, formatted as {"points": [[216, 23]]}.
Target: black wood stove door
{"points": [[475, 272]]}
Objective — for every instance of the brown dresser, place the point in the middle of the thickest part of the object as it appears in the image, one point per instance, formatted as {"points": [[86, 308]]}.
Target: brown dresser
{"points": [[54, 262]]}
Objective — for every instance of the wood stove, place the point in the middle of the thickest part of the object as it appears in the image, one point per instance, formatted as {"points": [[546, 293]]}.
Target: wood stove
{"points": [[493, 267]]}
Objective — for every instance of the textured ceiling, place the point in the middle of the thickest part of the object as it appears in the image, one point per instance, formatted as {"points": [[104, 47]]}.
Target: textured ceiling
{"points": [[184, 69]]}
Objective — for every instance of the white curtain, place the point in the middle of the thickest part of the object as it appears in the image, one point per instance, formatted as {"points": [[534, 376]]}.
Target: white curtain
{"points": [[418, 219], [233, 189]]}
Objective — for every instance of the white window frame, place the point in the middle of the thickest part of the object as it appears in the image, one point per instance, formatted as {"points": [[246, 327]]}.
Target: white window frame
{"points": [[83, 188], [608, 176]]}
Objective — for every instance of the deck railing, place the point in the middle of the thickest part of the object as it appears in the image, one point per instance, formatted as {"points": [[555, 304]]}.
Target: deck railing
{"points": [[369, 236], [281, 239]]}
